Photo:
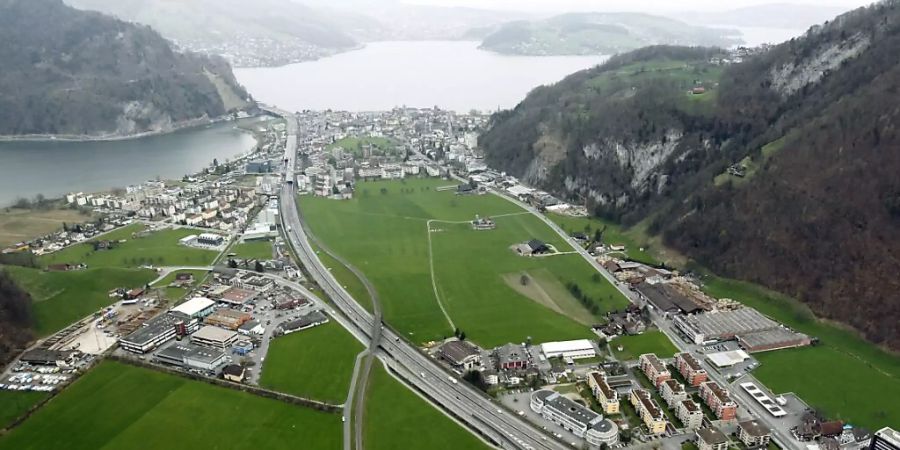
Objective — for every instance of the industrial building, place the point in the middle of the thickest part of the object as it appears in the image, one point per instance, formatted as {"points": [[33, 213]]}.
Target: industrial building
{"points": [[227, 318], [214, 337], [577, 419], [196, 308], [461, 355], [690, 414], [885, 439], [310, 320], [210, 239], [777, 339], [606, 396], [667, 298], [253, 282], [719, 400], [577, 349], [654, 369], [236, 296], [191, 356], [690, 369], [717, 326], [649, 411], [151, 334], [754, 434], [711, 439]]}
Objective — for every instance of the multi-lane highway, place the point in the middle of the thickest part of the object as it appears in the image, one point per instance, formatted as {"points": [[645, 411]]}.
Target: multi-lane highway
{"points": [[465, 403]]}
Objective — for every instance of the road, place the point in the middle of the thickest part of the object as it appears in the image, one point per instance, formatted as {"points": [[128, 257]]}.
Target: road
{"points": [[780, 433], [468, 405]]}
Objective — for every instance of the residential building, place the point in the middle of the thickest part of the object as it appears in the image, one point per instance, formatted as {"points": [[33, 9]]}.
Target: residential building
{"points": [[672, 392], [214, 337], [885, 439], [719, 400], [654, 369], [690, 369], [690, 414], [577, 349], [649, 411], [461, 355], [233, 372], [607, 397], [580, 421], [711, 439], [754, 434], [512, 357]]}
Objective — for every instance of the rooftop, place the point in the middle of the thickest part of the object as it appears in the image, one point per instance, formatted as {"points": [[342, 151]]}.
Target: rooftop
{"points": [[690, 361], [667, 298], [600, 380], [754, 428], [211, 333], [151, 329], [567, 346], [194, 306], [712, 436], [458, 351]]}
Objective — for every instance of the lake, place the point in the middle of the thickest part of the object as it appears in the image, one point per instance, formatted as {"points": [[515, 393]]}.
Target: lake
{"points": [[53, 168], [452, 75]]}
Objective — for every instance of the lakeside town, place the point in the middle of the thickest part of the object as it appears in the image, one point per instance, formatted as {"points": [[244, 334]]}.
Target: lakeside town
{"points": [[583, 392]]}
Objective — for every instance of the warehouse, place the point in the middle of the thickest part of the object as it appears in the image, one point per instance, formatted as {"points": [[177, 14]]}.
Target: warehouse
{"points": [[723, 325], [310, 320], [776, 339], [666, 298], [152, 334], [196, 308], [577, 349], [228, 318], [191, 356], [237, 296], [211, 239], [214, 337]]}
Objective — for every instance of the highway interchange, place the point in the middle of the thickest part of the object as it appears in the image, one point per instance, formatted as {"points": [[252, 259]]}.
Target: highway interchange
{"points": [[463, 402]]}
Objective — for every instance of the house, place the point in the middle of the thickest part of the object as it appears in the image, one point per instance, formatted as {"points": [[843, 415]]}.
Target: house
{"points": [[532, 247], [511, 357], [711, 439], [461, 355], [233, 372], [754, 434]]}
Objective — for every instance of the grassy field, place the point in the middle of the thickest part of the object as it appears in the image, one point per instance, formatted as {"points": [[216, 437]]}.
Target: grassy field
{"points": [[347, 279], [17, 225], [116, 406], [397, 418], [159, 248], [384, 232], [858, 371], [253, 250], [15, 403], [653, 341], [176, 294], [61, 298], [316, 363], [636, 249]]}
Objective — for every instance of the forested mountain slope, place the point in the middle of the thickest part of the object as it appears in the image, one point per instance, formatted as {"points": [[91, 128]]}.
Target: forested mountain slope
{"points": [[811, 206], [73, 72]]}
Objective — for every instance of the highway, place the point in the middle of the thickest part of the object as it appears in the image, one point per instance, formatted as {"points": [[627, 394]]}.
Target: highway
{"points": [[464, 402]]}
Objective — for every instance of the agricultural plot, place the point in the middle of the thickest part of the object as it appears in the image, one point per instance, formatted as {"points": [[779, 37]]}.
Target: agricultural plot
{"points": [[384, 232], [316, 363], [61, 298], [17, 225], [397, 418], [159, 248], [15, 403], [116, 406], [634, 346]]}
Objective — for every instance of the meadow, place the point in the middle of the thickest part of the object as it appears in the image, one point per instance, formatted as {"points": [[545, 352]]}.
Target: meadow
{"points": [[159, 248], [17, 225], [396, 418], [316, 363], [61, 298], [253, 250], [653, 341], [15, 403], [116, 406], [636, 247], [176, 294], [383, 231]]}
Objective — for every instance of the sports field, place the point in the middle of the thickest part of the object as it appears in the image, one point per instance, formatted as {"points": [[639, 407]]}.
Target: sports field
{"points": [[159, 248], [384, 231], [396, 418], [858, 370], [116, 406], [653, 341], [316, 363], [61, 298]]}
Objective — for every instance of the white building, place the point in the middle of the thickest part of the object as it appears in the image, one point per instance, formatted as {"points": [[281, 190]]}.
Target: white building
{"points": [[196, 308], [577, 349], [214, 337], [580, 421]]}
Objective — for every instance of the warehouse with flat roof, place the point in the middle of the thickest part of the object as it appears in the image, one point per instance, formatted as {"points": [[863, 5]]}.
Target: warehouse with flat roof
{"points": [[191, 356], [577, 349], [152, 334], [214, 337], [196, 308], [723, 325]]}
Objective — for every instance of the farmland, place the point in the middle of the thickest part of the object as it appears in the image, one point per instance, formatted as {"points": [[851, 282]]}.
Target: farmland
{"points": [[396, 418], [384, 232], [253, 250], [17, 225], [158, 248], [316, 363], [15, 403], [650, 342], [124, 407], [61, 298]]}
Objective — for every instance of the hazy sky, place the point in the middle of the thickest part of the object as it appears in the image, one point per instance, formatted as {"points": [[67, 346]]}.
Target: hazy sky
{"points": [[627, 5]]}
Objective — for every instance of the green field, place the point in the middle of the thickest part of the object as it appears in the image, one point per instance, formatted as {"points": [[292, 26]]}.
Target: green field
{"points": [[159, 248], [383, 231], [15, 403], [253, 250], [316, 363], [61, 298], [636, 249], [176, 294], [348, 280], [116, 406], [653, 341], [858, 371], [396, 418]]}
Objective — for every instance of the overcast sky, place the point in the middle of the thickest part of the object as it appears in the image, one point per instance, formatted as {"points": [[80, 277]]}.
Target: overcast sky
{"points": [[627, 5]]}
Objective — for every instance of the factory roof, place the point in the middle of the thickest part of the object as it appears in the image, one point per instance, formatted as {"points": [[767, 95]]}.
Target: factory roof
{"points": [[194, 306]]}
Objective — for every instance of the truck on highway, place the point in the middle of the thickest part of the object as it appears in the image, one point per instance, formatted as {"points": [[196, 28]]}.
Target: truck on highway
{"points": [[453, 380]]}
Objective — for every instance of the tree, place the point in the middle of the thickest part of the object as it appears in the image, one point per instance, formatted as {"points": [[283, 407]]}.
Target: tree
{"points": [[259, 267], [383, 191], [523, 280], [462, 335]]}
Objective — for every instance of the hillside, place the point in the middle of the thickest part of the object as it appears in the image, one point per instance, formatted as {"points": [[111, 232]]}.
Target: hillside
{"points": [[70, 72], [599, 33], [15, 312], [814, 210], [266, 33]]}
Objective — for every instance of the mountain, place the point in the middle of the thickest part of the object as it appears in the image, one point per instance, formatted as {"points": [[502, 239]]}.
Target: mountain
{"points": [[599, 33], [70, 72], [783, 171], [773, 15], [264, 33]]}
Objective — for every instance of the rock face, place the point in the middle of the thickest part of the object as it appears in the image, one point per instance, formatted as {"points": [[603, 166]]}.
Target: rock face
{"points": [[76, 73], [781, 171]]}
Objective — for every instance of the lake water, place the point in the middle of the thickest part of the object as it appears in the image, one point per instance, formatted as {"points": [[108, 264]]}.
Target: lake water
{"points": [[452, 75], [53, 168]]}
